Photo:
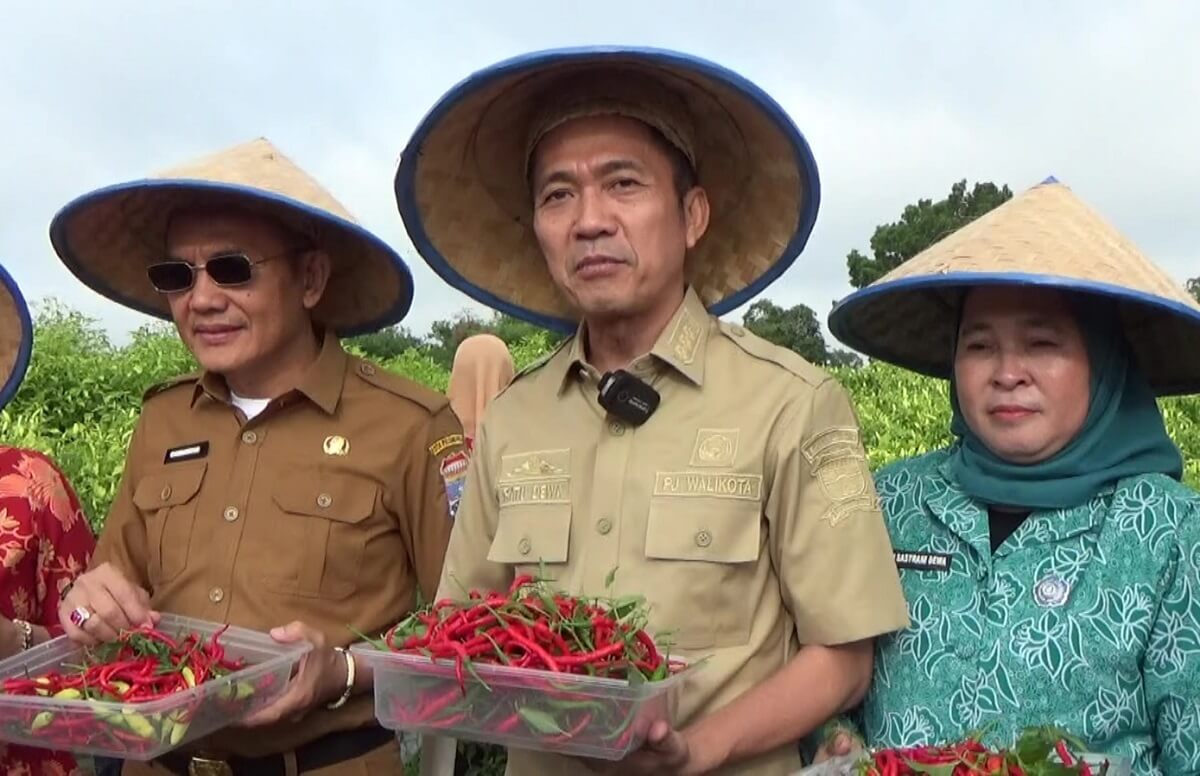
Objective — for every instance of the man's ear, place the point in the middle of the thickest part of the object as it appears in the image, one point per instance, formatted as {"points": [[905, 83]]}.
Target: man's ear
{"points": [[695, 214], [315, 268]]}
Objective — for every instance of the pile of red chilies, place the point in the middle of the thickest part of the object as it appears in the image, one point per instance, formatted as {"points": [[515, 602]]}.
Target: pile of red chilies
{"points": [[142, 665], [971, 758], [533, 627]]}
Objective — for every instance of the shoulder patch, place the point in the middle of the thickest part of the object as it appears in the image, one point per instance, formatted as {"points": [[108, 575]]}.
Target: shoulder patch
{"points": [[763, 350], [398, 385], [189, 379]]}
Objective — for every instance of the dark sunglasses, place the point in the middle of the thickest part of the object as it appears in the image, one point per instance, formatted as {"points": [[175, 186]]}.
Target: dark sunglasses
{"points": [[175, 275]]}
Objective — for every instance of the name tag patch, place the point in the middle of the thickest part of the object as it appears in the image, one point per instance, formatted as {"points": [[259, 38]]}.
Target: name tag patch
{"points": [[737, 486], [189, 452], [548, 490], [923, 561]]}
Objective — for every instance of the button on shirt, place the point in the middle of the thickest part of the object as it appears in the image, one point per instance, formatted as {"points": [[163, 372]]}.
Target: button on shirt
{"points": [[331, 507], [742, 509]]}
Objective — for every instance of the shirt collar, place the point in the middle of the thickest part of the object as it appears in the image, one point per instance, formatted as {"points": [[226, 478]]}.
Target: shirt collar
{"points": [[681, 345], [321, 384]]}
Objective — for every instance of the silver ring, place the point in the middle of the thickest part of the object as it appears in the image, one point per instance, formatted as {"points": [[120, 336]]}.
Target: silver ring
{"points": [[80, 615]]}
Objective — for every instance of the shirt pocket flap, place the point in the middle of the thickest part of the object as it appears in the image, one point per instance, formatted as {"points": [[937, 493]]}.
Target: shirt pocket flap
{"points": [[689, 529], [169, 487], [344, 498], [532, 533]]}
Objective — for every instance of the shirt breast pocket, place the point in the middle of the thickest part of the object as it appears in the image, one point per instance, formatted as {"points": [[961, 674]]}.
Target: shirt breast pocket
{"points": [[322, 533], [705, 554], [528, 535], [167, 499]]}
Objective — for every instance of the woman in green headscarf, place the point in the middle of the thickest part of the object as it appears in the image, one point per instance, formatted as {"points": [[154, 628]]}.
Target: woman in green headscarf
{"points": [[1050, 554]]}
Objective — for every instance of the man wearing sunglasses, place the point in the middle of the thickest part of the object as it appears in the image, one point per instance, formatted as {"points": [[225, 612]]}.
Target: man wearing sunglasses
{"points": [[286, 486]]}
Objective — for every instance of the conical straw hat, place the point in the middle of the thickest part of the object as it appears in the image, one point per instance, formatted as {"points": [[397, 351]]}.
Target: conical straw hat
{"points": [[1048, 237], [108, 237], [462, 192], [16, 337]]}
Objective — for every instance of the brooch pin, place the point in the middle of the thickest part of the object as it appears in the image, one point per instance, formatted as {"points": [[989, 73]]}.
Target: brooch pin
{"points": [[336, 445], [1051, 591]]}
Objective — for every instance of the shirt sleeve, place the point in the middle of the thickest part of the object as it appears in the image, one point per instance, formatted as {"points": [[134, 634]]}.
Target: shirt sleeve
{"points": [[66, 544], [432, 486], [829, 543], [123, 541], [467, 566], [1172, 662]]}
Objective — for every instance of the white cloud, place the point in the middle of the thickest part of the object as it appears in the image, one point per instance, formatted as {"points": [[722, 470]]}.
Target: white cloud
{"points": [[897, 100]]}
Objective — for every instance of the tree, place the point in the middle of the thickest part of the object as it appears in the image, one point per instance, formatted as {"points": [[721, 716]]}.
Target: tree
{"points": [[386, 343], [1193, 287], [445, 336], [920, 226], [795, 328], [844, 358]]}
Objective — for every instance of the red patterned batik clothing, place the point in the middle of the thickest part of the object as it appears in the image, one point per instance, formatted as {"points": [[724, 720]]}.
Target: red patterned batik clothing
{"points": [[45, 542]]}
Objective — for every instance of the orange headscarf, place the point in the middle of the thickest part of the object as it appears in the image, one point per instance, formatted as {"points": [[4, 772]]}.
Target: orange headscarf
{"points": [[482, 368]]}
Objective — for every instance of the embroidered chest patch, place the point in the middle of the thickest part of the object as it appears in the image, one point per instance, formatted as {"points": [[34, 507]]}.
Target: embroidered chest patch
{"points": [[454, 475]]}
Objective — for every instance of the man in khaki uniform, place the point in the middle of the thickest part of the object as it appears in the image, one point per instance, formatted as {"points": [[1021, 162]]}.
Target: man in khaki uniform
{"points": [[287, 486], [652, 190]]}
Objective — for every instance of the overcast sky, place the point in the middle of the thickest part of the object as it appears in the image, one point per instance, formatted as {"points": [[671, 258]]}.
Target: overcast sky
{"points": [[898, 101]]}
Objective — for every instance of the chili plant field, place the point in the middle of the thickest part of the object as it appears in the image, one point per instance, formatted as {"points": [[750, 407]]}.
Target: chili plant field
{"points": [[82, 394], [81, 397]]}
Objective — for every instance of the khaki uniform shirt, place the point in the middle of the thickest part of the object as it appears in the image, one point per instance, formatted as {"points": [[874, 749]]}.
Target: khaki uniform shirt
{"points": [[743, 509], [330, 507]]}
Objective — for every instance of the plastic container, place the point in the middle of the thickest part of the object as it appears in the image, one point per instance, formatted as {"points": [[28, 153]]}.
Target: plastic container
{"points": [[518, 707], [847, 765], [143, 731], [1117, 766]]}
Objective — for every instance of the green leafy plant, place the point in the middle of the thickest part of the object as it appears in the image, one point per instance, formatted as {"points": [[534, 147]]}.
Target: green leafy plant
{"points": [[82, 396]]}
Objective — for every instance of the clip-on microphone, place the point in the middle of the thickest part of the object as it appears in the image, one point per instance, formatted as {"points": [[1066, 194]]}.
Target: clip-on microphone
{"points": [[627, 397]]}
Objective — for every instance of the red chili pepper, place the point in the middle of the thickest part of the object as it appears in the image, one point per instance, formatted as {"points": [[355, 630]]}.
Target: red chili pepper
{"points": [[437, 704], [508, 723], [451, 720], [574, 731], [592, 657]]}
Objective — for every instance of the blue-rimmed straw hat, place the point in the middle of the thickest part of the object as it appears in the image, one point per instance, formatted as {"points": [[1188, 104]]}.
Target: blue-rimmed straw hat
{"points": [[16, 337], [462, 191], [107, 237], [1044, 237]]}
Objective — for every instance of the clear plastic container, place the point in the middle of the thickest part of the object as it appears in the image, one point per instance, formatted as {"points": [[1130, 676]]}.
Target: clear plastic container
{"points": [[519, 707], [848, 765], [143, 731], [1117, 766]]}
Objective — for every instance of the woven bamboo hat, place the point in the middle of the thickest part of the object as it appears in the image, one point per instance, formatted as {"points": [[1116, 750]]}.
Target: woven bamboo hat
{"points": [[1046, 237], [108, 237], [16, 337], [462, 192]]}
